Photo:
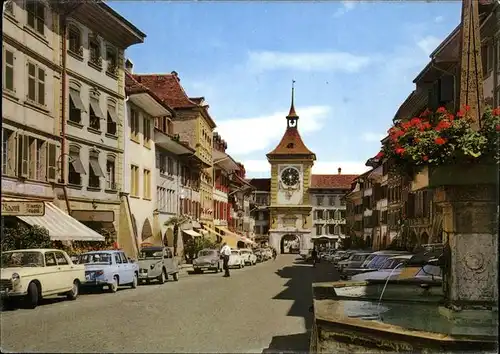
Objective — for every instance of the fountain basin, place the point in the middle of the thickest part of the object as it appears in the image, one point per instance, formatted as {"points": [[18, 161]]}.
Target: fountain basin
{"points": [[349, 318]]}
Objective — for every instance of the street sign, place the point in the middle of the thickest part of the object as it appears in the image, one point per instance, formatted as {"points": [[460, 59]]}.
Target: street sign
{"points": [[22, 208]]}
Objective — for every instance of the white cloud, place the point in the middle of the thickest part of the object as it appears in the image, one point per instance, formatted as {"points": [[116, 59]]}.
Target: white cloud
{"points": [[247, 135], [372, 137], [320, 61], [346, 7], [262, 168], [428, 44], [439, 19]]}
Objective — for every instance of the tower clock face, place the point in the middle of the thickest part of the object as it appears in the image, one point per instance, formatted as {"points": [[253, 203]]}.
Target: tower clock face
{"points": [[290, 176]]}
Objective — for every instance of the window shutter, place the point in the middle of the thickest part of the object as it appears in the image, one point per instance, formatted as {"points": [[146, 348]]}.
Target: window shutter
{"points": [[12, 155], [25, 148], [51, 162]]}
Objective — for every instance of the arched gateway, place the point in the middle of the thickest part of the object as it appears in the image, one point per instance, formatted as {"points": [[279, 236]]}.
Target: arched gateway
{"points": [[290, 244]]}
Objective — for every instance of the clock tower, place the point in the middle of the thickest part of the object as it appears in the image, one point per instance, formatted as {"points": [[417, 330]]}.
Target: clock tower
{"points": [[290, 210]]}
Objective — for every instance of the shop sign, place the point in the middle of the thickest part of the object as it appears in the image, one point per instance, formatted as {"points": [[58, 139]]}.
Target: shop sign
{"points": [[23, 208]]}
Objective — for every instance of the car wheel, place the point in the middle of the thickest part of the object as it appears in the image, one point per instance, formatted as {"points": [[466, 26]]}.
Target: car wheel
{"points": [[162, 278], [73, 293], [135, 281], [113, 287], [31, 299], [175, 276]]}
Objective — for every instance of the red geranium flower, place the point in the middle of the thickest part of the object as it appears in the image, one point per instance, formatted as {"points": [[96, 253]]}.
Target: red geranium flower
{"points": [[450, 117], [444, 124], [425, 113], [441, 110], [460, 114], [425, 157], [439, 141], [496, 111], [498, 127], [400, 151], [415, 121]]}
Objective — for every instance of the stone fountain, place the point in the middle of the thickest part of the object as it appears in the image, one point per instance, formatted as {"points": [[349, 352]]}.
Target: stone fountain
{"points": [[459, 314]]}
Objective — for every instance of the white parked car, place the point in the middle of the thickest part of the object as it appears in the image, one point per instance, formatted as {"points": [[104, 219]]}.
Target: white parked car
{"points": [[236, 260], [32, 274], [248, 256]]}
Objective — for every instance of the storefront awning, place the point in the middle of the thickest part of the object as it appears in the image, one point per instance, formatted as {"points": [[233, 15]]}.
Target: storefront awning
{"points": [[212, 231], [61, 226], [230, 233], [192, 233], [224, 161]]}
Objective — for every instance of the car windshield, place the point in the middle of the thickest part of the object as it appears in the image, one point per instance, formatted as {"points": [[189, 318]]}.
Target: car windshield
{"points": [[151, 254], [91, 258], [204, 253], [377, 261], [22, 259], [429, 270], [358, 257], [392, 263], [234, 252]]}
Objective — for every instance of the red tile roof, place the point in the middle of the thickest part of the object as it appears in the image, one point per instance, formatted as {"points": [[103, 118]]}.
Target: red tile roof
{"points": [[168, 88], [132, 86], [337, 181], [261, 184], [291, 144]]}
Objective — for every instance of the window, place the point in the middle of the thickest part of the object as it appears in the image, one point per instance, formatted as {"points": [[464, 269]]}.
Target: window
{"points": [[118, 259], [76, 169], [36, 158], [23, 155], [8, 70], [134, 125], [112, 119], [110, 173], [147, 131], [9, 7], [331, 229], [95, 51], [319, 214], [95, 171], [76, 106], [75, 40], [331, 200], [61, 259], [8, 152], [319, 200], [161, 194], [50, 259], [170, 166], [95, 114], [123, 257], [36, 16], [146, 184], [134, 180], [112, 60], [319, 229], [36, 84]]}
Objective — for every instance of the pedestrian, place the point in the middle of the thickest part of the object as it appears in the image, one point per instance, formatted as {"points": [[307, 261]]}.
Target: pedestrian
{"points": [[275, 253], [314, 256], [225, 252]]}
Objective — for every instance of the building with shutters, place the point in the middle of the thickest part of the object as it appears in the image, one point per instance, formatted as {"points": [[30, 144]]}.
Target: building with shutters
{"points": [[329, 206]]}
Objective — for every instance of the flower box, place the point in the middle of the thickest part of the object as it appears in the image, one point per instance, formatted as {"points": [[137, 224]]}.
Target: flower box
{"points": [[455, 175]]}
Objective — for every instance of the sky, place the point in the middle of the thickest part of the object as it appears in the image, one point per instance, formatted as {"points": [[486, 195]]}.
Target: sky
{"points": [[353, 63]]}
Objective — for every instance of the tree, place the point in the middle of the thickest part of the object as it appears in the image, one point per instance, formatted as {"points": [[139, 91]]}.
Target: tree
{"points": [[176, 222], [24, 237], [353, 242]]}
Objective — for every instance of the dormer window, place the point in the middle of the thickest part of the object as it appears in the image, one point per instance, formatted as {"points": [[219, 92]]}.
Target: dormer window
{"points": [[290, 145]]}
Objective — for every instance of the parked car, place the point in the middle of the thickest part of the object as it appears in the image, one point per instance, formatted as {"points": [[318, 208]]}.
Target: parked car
{"points": [[427, 272], [392, 266], [248, 256], [157, 263], [354, 261], [268, 253], [208, 259], [33, 274], [236, 260], [376, 259], [109, 268], [259, 254]]}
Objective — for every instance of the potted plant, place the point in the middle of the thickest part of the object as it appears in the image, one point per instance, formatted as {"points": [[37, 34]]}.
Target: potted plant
{"points": [[440, 148]]}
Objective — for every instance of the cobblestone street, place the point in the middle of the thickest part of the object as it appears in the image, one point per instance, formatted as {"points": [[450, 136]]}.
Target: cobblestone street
{"points": [[264, 308]]}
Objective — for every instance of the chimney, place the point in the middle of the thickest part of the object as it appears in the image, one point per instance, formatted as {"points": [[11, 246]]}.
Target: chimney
{"points": [[174, 73], [129, 66], [339, 170]]}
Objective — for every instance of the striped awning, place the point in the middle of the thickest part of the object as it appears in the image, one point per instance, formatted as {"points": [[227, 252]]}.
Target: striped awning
{"points": [[61, 226]]}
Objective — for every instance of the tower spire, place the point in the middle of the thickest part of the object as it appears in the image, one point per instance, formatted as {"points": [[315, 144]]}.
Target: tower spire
{"points": [[292, 113]]}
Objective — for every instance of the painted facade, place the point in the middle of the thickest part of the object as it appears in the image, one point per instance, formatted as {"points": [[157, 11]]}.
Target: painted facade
{"points": [[31, 73], [259, 207]]}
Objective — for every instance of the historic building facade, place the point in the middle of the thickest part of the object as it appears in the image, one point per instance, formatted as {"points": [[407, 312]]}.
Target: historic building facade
{"points": [[259, 208], [290, 210], [194, 125], [329, 206]]}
